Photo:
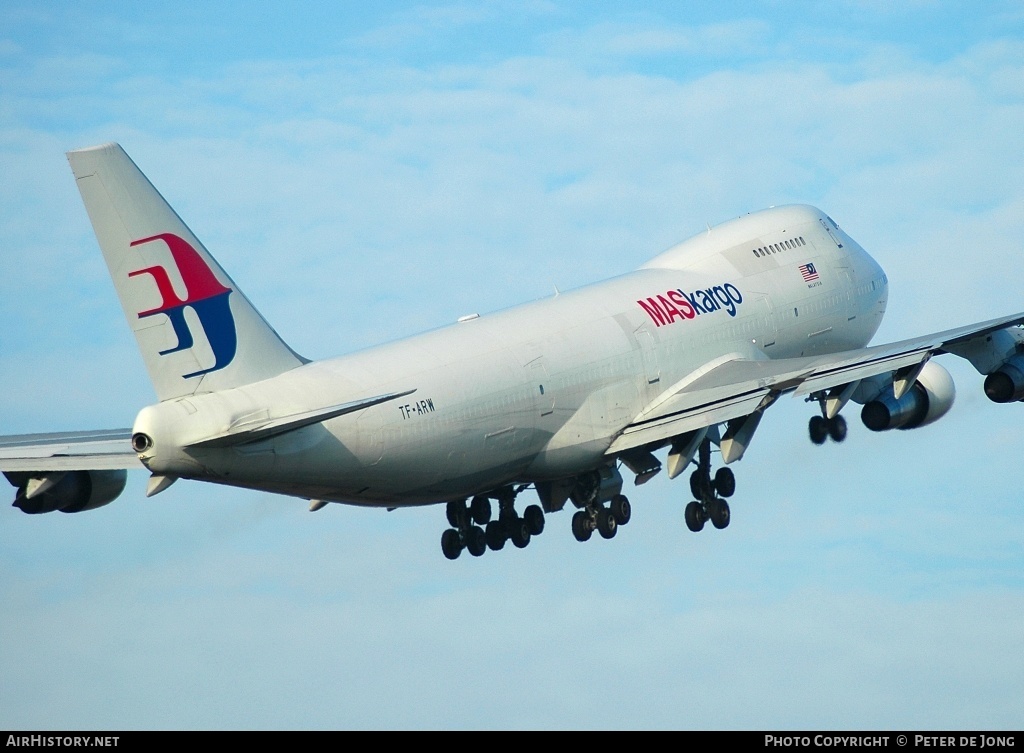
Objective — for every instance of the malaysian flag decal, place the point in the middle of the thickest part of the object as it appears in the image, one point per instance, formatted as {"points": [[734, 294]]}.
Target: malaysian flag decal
{"points": [[809, 273]]}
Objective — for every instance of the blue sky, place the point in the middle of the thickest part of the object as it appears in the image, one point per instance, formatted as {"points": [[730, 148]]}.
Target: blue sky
{"points": [[371, 172]]}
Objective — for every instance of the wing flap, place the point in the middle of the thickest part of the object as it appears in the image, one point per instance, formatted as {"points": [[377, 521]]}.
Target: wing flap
{"points": [[692, 410]]}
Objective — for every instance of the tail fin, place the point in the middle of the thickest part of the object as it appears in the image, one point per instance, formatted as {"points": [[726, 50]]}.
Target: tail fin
{"points": [[196, 330]]}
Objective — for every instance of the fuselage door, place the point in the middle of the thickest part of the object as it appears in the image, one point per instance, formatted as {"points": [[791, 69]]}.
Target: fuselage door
{"points": [[649, 354], [544, 395]]}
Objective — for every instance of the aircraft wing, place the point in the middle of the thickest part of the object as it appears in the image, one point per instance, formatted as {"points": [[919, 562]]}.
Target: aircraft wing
{"points": [[107, 449], [732, 387]]}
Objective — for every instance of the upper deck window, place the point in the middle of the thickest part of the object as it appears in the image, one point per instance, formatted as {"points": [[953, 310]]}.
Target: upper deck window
{"points": [[775, 248]]}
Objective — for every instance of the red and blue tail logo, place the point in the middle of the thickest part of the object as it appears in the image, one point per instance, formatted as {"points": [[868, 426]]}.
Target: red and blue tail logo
{"points": [[204, 294]]}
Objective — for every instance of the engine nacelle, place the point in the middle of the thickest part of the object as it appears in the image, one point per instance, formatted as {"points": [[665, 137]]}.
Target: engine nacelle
{"points": [[928, 400], [1006, 384], [71, 491]]}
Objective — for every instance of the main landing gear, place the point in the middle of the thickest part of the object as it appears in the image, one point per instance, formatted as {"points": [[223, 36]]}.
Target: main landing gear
{"points": [[602, 506], [605, 520], [472, 528], [710, 493]]}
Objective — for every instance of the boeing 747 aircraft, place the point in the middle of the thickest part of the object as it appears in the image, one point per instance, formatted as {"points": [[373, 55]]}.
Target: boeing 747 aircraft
{"points": [[561, 396]]}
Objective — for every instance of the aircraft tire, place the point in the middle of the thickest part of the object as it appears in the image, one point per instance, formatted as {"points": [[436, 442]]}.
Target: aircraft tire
{"points": [[817, 427], [694, 515], [456, 513], [480, 509], [606, 523], [450, 544], [496, 536], [520, 533], [837, 429], [719, 513], [621, 509], [725, 482], [695, 484], [581, 526], [476, 541], [534, 517]]}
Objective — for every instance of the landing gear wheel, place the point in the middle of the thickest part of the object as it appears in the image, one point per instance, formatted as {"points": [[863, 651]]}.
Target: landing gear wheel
{"points": [[837, 429], [695, 485], [606, 523], [581, 527], [495, 535], [621, 509], [817, 427], [534, 517], [480, 509], [694, 515], [520, 534], [457, 513], [725, 482], [476, 541], [450, 544], [719, 513]]}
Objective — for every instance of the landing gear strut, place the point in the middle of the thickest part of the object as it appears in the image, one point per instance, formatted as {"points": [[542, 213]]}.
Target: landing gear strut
{"points": [[472, 528], [710, 503]]}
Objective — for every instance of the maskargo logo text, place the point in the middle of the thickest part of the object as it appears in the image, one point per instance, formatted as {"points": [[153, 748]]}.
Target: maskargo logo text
{"points": [[676, 304]]}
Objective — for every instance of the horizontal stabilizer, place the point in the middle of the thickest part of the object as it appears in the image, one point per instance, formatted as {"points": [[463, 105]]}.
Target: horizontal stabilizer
{"points": [[108, 449], [272, 427]]}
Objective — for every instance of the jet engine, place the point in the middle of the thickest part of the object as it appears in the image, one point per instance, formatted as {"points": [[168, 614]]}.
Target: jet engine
{"points": [[1006, 384], [67, 491], [928, 399]]}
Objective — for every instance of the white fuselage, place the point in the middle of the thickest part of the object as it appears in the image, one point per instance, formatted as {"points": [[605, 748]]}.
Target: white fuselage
{"points": [[537, 392]]}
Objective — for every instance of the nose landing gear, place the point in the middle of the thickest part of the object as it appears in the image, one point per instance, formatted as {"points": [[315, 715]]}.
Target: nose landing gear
{"points": [[821, 428]]}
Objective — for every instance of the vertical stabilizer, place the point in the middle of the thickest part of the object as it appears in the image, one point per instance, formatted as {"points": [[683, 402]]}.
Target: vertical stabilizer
{"points": [[196, 330]]}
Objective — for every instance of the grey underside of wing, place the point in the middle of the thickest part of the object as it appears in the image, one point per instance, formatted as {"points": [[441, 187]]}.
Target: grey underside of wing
{"points": [[106, 449], [738, 387]]}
